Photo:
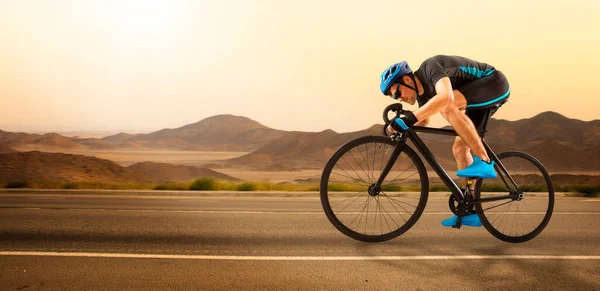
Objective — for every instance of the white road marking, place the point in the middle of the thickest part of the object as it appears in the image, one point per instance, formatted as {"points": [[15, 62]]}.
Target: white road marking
{"points": [[298, 258], [276, 212], [46, 198]]}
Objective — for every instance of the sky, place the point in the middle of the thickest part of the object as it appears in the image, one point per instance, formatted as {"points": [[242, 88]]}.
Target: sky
{"points": [[144, 65]]}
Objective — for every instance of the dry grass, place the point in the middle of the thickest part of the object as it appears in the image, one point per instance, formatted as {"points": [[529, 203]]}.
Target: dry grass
{"points": [[208, 184]]}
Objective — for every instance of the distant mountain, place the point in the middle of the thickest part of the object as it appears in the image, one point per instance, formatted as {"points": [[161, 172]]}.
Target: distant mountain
{"points": [[57, 167], [217, 133], [545, 126], [51, 140], [546, 135], [303, 149], [120, 137], [562, 144], [167, 172], [558, 157]]}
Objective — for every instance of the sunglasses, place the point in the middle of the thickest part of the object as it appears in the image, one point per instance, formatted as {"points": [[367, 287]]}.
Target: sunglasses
{"points": [[397, 94]]}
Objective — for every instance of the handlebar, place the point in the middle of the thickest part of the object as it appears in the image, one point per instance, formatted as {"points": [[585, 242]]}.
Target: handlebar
{"points": [[397, 108]]}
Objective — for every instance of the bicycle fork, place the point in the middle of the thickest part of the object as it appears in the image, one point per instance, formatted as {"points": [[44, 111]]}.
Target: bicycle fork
{"points": [[375, 189]]}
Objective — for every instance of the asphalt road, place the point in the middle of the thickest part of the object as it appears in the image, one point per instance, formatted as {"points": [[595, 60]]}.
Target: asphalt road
{"points": [[121, 242]]}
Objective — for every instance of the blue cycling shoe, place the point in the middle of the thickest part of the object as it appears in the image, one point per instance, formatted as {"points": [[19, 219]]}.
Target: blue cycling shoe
{"points": [[478, 169], [469, 220]]}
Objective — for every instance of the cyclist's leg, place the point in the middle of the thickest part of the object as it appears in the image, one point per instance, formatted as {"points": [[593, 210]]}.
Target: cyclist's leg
{"points": [[478, 96], [464, 126], [462, 155]]}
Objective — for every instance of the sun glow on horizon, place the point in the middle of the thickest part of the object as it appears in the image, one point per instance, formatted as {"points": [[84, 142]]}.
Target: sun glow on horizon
{"points": [[142, 65]]}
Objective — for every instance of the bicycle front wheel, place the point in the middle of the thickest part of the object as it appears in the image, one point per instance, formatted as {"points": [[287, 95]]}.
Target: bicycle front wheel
{"points": [[373, 216], [528, 210]]}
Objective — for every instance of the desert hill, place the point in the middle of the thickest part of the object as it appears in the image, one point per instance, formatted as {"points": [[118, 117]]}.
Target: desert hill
{"points": [[6, 150], [217, 133], [51, 140], [545, 126], [301, 149], [560, 143], [161, 172], [58, 167]]}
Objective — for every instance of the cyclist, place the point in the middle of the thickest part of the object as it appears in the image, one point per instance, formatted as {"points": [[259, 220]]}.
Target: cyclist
{"points": [[461, 90]]}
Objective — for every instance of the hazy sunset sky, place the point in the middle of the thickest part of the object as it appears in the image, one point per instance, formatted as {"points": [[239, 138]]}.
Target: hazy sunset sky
{"points": [[307, 65]]}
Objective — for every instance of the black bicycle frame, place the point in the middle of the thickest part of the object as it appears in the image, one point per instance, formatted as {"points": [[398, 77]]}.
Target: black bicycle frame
{"points": [[437, 167]]}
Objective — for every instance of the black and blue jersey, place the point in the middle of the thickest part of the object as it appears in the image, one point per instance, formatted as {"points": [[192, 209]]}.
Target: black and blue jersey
{"points": [[480, 83]]}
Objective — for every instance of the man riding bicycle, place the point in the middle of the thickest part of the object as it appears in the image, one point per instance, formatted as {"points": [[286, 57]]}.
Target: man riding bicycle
{"points": [[461, 90]]}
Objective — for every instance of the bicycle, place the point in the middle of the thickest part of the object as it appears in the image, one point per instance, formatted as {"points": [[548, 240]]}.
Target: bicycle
{"points": [[522, 196]]}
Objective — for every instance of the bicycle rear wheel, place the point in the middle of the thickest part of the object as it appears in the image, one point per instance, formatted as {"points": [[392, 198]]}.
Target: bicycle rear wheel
{"points": [[523, 216], [373, 216]]}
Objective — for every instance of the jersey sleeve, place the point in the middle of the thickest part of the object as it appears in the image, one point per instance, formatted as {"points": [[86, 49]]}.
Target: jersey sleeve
{"points": [[433, 69]]}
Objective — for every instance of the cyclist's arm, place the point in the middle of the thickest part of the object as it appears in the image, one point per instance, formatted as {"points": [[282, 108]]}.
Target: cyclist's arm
{"points": [[424, 122], [443, 98]]}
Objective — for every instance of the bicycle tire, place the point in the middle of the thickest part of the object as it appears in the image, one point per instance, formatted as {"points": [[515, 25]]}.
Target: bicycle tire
{"points": [[391, 201], [537, 188]]}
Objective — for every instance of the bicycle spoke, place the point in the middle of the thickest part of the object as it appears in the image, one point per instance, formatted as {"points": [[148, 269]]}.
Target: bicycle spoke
{"points": [[360, 214], [357, 194], [366, 163], [359, 164], [391, 217], [400, 173], [392, 203], [499, 213], [526, 188], [357, 181], [531, 213], [398, 201], [504, 218], [374, 159], [354, 171], [384, 152], [397, 183], [336, 214], [498, 205], [376, 209]]}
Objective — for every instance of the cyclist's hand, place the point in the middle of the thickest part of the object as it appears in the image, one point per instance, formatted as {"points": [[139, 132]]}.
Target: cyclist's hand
{"points": [[403, 124], [390, 129]]}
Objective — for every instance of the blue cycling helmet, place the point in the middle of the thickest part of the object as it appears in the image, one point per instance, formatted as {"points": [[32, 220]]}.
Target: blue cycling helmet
{"points": [[391, 75]]}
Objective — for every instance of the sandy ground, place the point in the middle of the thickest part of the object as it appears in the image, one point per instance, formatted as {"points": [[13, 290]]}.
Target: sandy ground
{"points": [[129, 157], [200, 158], [272, 176]]}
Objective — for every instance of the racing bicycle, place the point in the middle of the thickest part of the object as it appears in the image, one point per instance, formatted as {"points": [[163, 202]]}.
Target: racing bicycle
{"points": [[375, 188]]}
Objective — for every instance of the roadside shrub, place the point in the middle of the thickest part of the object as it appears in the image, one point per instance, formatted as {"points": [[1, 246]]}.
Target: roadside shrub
{"points": [[204, 184], [336, 187], [70, 186], [588, 191], [246, 186], [20, 184]]}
